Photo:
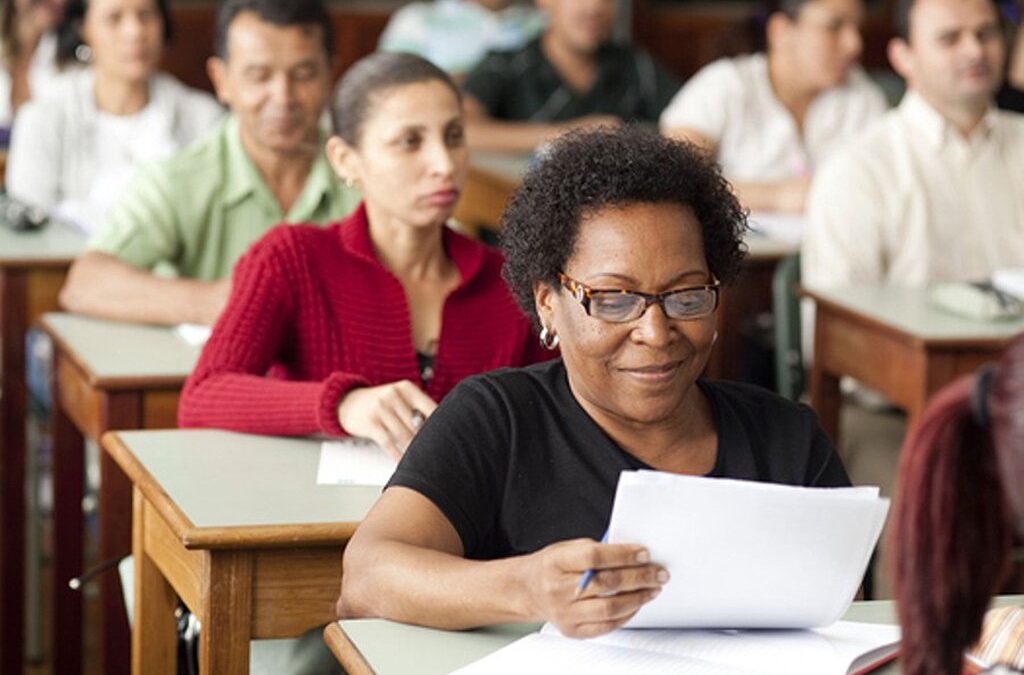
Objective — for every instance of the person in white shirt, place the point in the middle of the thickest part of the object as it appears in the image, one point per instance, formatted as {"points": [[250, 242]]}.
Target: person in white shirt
{"points": [[28, 51], [935, 190], [74, 148], [770, 119]]}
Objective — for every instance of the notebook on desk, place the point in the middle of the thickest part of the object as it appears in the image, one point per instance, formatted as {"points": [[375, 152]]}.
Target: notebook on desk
{"points": [[845, 648]]}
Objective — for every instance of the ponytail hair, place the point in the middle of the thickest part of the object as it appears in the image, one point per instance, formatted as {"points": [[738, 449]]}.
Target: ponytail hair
{"points": [[960, 478]]}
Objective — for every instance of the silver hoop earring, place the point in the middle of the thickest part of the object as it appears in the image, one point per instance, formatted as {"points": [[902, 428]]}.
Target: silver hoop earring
{"points": [[548, 338], [83, 53], [349, 182]]}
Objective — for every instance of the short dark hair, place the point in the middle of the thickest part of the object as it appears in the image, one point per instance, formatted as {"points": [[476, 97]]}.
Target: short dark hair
{"points": [[788, 7], [584, 172], [69, 30], [372, 74], [277, 12], [901, 17]]}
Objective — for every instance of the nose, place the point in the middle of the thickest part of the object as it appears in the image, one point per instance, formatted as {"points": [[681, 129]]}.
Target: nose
{"points": [[973, 45], [654, 328], [282, 89], [441, 159]]}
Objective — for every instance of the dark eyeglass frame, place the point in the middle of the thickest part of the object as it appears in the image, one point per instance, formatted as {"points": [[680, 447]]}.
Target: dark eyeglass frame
{"points": [[583, 294]]}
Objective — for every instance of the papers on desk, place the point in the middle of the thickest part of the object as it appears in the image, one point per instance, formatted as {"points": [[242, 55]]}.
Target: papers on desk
{"points": [[787, 227], [842, 648], [354, 461], [193, 333], [1010, 281], [743, 554]]}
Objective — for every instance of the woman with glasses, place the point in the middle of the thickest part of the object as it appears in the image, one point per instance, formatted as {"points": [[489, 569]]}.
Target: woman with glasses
{"points": [[616, 244], [364, 325], [772, 117]]}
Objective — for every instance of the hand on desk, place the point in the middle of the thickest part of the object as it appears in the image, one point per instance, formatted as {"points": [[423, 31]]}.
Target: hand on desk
{"points": [[624, 580], [389, 415]]}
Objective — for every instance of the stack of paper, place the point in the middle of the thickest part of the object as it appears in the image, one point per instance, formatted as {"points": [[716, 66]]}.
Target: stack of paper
{"points": [[1010, 281], [354, 461], [747, 555]]}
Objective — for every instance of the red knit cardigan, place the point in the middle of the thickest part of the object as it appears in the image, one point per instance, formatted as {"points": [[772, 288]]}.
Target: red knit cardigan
{"points": [[317, 306]]}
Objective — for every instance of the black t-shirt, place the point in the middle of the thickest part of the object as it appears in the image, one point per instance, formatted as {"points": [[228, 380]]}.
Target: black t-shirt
{"points": [[523, 85], [516, 464]]}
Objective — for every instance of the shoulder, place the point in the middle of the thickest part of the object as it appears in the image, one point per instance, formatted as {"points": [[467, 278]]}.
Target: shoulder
{"points": [[1012, 125], [766, 408], [860, 94], [518, 391], [200, 164], [291, 250], [511, 62], [732, 74], [868, 154]]}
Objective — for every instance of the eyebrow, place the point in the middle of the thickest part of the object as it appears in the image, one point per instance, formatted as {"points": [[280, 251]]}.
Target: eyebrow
{"points": [[628, 280]]}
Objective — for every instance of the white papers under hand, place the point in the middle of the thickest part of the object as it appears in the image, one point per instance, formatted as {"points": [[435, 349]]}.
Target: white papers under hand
{"points": [[193, 333], [743, 554], [353, 461]]}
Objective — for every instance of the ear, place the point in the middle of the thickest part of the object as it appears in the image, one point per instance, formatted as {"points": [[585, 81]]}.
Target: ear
{"points": [[545, 299], [344, 159], [217, 71], [778, 29], [900, 58]]}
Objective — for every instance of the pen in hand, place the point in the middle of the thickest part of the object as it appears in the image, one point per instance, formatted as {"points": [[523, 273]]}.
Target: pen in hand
{"points": [[588, 575]]}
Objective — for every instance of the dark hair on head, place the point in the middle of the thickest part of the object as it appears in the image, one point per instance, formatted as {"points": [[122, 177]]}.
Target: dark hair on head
{"points": [[280, 13], [959, 482], [69, 30], [755, 28], [371, 75], [585, 172], [901, 17]]}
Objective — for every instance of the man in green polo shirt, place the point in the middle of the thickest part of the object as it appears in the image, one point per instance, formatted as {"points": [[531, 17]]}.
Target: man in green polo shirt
{"points": [[166, 251]]}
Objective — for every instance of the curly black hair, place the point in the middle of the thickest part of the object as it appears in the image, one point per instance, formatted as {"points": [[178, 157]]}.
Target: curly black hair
{"points": [[584, 172]]}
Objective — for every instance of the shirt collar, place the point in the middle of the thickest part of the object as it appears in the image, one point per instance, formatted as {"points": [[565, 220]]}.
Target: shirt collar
{"points": [[467, 254], [935, 128], [243, 180]]}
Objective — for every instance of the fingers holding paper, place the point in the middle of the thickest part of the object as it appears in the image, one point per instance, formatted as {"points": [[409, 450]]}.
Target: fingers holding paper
{"points": [[623, 580]]}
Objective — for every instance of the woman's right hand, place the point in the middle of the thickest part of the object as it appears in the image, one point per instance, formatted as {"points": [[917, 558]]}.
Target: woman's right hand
{"points": [[624, 580], [389, 414]]}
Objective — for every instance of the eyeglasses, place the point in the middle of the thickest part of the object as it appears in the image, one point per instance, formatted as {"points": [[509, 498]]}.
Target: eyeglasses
{"points": [[620, 306]]}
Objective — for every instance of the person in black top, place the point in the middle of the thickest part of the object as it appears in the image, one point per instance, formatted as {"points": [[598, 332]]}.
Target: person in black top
{"points": [[616, 244], [572, 76]]}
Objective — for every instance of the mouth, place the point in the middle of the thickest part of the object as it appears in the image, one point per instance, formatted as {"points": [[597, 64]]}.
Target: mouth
{"points": [[654, 373], [442, 197]]}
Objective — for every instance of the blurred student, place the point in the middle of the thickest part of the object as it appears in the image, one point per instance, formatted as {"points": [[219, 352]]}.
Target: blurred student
{"points": [[572, 76], [28, 51], [772, 118]]}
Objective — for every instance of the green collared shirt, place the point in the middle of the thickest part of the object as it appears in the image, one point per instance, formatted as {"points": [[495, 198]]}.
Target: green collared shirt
{"points": [[193, 214]]}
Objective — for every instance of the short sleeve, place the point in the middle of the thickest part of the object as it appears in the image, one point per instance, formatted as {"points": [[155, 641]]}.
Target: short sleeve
{"points": [[459, 460], [702, 104], [33, 164], [141, 228], [489, 82]]}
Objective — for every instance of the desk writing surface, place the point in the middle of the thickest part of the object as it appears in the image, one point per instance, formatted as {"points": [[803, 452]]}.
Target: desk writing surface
{"points": [[55, 243], [510, 166], [908, 310], [112, 350], [226, 479]]}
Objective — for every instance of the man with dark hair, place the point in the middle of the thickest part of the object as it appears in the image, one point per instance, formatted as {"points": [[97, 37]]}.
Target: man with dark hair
{"points": [[571, 76], [932, 191], [167, 248]]}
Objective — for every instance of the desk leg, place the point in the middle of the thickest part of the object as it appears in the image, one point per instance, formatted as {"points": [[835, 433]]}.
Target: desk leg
{"points": [[123, 411], [227, 614], [154, 640], [13, 408], [68, 476]]}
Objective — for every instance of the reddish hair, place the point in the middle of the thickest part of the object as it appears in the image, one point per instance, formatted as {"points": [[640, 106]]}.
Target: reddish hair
{"points": [[960, 472]]}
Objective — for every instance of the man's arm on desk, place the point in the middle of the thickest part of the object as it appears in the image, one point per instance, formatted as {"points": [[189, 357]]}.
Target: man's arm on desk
{"points": [[487, 133], [100, 285]]}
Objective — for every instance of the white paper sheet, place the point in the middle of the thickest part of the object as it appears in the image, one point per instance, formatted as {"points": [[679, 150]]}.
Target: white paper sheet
{"points": [[193, 333], [788, 227], [743, 554], [353, 461]]}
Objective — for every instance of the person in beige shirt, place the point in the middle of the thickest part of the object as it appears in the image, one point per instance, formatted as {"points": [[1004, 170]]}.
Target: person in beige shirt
{"points": [[934, 191]]}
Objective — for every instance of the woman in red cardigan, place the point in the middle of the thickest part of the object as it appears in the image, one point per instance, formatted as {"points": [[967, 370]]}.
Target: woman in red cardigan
{"points": [[360, 327]]}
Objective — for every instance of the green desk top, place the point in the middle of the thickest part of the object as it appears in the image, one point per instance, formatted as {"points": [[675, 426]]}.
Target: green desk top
{"points": [[908, 310], [54, 244], [125, 352], [427, 651], [225, 479]]}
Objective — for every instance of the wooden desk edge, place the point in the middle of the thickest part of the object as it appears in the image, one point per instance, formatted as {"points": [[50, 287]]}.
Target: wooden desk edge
{"points": [[345, 651], [35, 263], [111, 383]]}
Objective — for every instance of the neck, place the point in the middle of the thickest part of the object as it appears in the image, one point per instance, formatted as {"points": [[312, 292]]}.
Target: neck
{"points": [[1015, 70], [677, 443], [409, 252], [964, 116], [577, 68], [115, 96], [285, 173], [794, 95]]}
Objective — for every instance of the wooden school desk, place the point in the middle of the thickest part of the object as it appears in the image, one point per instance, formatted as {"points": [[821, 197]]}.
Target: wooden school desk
{"points": [[107, 375], [367, 646], [493, 177], [32, 270], [890, 339], [236, 526]]}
